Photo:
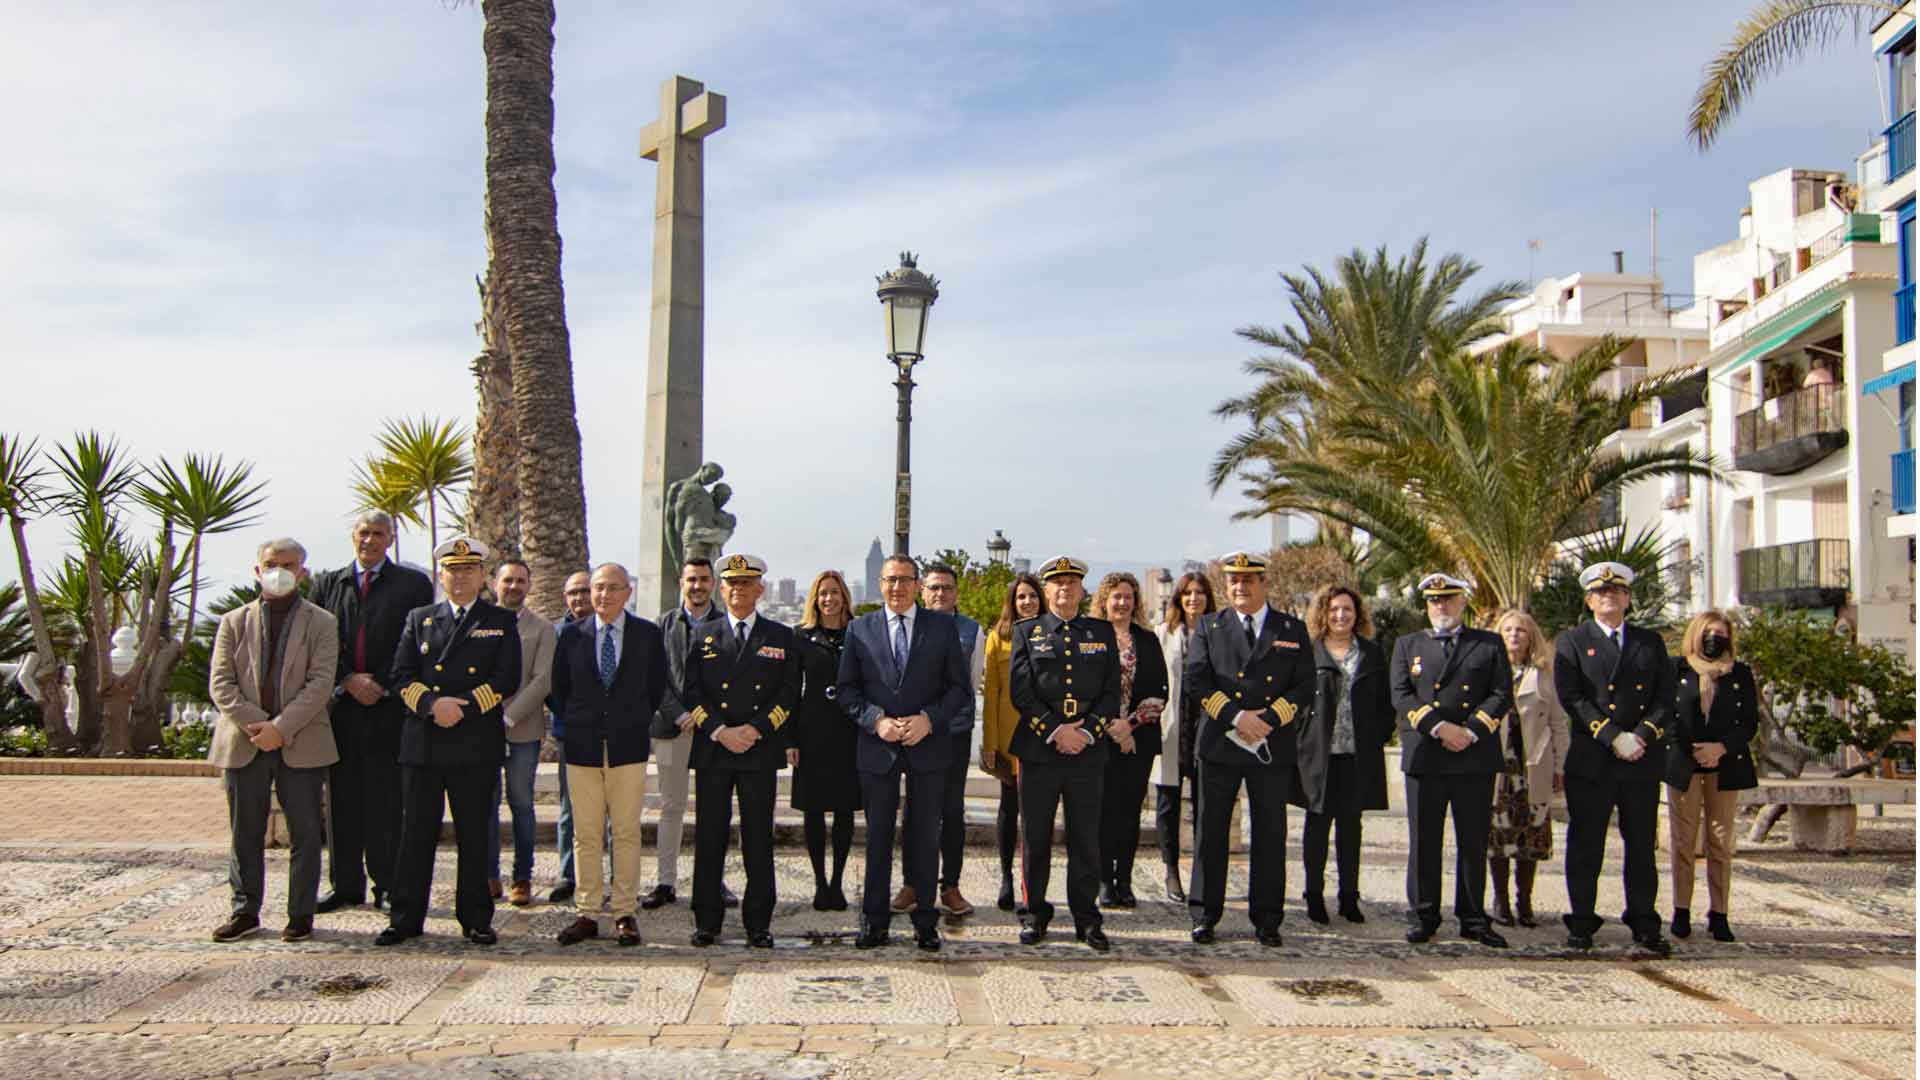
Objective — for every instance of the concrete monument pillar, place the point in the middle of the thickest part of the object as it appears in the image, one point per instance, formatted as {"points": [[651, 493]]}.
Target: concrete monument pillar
{"points": [[688, 114]]}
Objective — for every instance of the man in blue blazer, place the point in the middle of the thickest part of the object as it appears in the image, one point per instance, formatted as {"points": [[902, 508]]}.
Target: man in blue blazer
{"points": [[609, 675], [903, 680]]}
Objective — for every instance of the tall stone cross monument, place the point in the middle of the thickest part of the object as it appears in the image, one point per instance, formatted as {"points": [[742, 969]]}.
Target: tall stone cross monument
{"points": [[688, 114]]}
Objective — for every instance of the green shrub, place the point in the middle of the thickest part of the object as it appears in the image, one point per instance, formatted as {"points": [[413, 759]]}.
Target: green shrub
{"points": [[187, 741], [23, 742]]}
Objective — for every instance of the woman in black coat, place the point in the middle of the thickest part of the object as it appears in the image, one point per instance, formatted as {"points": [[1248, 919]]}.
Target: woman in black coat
{"points": [[1340, 757], [825, 776], [1709, 759], [1136, 734]]}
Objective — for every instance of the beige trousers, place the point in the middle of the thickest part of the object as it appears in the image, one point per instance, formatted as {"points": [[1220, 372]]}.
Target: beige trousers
{"points": [[609, 793], [1684, 819]]}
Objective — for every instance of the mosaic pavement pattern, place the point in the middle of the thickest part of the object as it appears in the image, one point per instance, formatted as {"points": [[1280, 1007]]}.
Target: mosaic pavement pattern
{"points": [[107, 971]]}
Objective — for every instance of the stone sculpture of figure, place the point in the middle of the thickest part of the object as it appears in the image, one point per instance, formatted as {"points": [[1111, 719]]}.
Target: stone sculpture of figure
{"points": [[689, 503], [710, 537]]}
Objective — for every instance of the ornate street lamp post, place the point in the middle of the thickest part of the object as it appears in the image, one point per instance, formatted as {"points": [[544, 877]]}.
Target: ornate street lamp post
{"points": [[998, 548], [906, 297]]}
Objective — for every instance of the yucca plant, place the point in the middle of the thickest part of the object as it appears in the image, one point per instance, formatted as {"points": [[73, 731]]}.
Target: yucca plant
{"points": [[432, 457], [204, 497]]}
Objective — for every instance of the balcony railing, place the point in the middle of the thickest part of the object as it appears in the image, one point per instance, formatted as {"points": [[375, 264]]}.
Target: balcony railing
{"points": [[1903, 481], [1900, 147], [1792, 431], [1686, 396], [1602, 513], [1903, 314], [1809, 574]]}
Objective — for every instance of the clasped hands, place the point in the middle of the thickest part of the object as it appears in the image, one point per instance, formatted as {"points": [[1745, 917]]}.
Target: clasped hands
{"points": [[1708, 754], [737, 738], [1628, 747], [1122, 730], [362, 688], [264, 736], [1454, 737], [1251, 726], [908, 730]]}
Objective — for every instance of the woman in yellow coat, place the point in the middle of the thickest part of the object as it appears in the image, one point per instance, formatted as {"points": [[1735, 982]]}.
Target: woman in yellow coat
{"points": [[998, 719]]}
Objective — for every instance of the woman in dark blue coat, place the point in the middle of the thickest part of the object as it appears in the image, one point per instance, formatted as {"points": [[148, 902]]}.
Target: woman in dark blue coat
{"points": [[825, 776]]}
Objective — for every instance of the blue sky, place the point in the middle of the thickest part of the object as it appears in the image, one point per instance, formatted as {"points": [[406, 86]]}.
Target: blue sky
{"points": [[253, 229]]}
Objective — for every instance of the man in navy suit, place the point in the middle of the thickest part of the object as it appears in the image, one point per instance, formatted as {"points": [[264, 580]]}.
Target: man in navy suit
{"points": [[903, 680], [609, 675]]}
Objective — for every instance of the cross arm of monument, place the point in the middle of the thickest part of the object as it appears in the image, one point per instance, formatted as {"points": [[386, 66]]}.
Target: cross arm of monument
{"points": [[699, 116]]}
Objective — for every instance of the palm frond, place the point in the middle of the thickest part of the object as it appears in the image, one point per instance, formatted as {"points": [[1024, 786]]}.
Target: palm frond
{"points": [[1773, 36]]}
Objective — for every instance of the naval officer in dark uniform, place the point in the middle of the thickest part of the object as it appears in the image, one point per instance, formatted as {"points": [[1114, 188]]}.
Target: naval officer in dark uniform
{"points": [[1451, 685], [1065, 680], [1251, 669], [741, 686], [458, 661], [1617, 686]]}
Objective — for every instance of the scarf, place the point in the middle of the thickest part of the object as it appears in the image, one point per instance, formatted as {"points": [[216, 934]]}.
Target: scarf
{"points": [[1710, 672]]}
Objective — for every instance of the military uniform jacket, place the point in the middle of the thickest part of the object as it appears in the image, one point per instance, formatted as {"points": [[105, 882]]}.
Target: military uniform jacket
{"points": [[1472, 688], [726, 685], [1062, 671], [1606, 691], [477, 660], [1274, 678]]}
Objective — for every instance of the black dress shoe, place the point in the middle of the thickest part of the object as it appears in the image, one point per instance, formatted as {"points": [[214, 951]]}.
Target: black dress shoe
{"points": [[1579, 940], [333, 901], [579, 930], [1005, 902], [626, 931], [727, 899], [1651, 941], [1717, 926], [1203, 935], [704, 938], [820, 898], [1269, 937], [1317, 909], [927, 940], [760, 939], [871, 937], [1095, 938], [393, 935], [1032, 935], [1350, 911], [661, 896], [1125, 893], [1682, 923], [1489, 937], [836, 898], [1419, 935], [481, 935], [561, 893], [1174, 892]]}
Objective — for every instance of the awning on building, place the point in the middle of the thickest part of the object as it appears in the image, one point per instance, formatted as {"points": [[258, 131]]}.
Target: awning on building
{"points": [[1792, 330], [1892, 379]]}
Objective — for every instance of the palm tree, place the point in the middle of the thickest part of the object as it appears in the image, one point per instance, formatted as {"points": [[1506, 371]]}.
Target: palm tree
{"points": [[523, 236], [1478, 463], [430, 457], [378, 486], [205, 498], [23, 495], [493, 501], [1774, 35]]}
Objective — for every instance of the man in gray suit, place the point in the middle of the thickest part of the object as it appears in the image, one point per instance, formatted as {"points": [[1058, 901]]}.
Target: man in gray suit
{"points": [[273, 666]]}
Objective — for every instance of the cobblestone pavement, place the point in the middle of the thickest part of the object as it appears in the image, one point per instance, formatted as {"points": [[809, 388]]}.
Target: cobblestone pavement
{"points": [[107, 971]]}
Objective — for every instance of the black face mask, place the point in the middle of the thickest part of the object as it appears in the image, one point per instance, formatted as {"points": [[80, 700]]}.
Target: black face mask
{"points": [[1713, 646]]}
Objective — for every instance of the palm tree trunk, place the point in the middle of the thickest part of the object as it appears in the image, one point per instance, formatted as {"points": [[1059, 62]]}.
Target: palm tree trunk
{"points": [[53, 700], [524, 236], [193, 593], [493, 500]]}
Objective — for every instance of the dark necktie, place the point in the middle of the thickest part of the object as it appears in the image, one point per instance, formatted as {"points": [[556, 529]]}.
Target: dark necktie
{"points": [[360, 631], [608, 662], [740, 633], [899, 648], [1446, 645], [1251, 637]]}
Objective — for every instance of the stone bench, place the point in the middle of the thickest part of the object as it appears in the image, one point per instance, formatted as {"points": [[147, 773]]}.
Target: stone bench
{"points": [[1823, 813]]}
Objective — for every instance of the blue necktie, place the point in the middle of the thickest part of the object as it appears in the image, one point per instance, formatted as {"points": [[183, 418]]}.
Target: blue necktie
{"points": [[607, 661], [899, 647]]}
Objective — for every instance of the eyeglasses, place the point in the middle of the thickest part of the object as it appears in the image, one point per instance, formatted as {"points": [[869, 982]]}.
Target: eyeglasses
{"points": [[576, 592], [898, 580], [938, 588]]}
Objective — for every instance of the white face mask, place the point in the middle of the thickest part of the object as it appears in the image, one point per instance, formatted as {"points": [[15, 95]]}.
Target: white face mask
{"points": [[276, 582]]}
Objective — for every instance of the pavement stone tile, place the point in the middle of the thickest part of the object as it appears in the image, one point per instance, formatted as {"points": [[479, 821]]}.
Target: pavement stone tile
{"points": [[313, 990], [33, 891], [1223, 1055], [1341, 995], [1890, 1050], [82, 987], [815, 993], [1799, 993], [606, 993], [1697, 1055], [1576, 993], [1126, 994]]}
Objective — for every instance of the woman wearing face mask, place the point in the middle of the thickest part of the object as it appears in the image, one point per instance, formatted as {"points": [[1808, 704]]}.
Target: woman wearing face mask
{"points": [[998, 720], [1715, 716]]}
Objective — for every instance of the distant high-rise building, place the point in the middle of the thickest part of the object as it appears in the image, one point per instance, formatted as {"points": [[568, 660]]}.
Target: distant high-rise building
{"points": [[1023, 566], [875, 558], [859, 590], [787, 591]]}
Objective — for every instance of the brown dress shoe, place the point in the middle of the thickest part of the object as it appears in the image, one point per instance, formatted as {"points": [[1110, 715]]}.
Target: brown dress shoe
{"points": [[493, 888], [627, 930], [904, 900], [521, 894], [953, 902], [579, 930]]}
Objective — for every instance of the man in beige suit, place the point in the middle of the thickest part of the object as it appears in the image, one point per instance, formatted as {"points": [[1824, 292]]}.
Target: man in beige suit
{"points": [[274, 662]]}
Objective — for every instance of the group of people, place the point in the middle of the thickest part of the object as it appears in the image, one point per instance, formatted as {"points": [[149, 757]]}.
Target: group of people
{"points": [[399, 705]]}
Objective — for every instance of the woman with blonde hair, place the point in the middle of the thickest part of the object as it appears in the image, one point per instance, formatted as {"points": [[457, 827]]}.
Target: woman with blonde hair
{"points": [[1534, 739], [1709, 758], [825, 774], [1192, 598], [1136, 733], [998, 719], [1340, 763]]}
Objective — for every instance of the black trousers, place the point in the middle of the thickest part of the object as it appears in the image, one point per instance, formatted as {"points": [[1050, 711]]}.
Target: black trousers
{"points": [[1006, 825], [714, 790], [1267, 862], [363, 811], [426, 792], [918, 848], [1342, 819], [1124, 793], [1589, 804], [1043, 788], [1166, 818], [951, 832], [1470, 797], [250, 791]]}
